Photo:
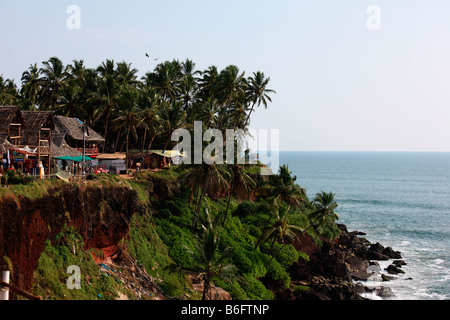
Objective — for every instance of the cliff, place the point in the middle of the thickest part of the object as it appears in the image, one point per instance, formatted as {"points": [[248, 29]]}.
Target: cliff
{"points": [[101, 214], [131, 230]]}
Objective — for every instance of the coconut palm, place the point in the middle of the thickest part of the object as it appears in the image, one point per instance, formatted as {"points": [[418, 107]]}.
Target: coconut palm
{"points": [[165, 79], [231, 85], [8, 92], [107, 95], [208, 261], [257, 92], [126, 75], [208, 83], [31, 85], [150, 115], [325, 206], [54, 76], [128, 117], [280, 229], [282, 188], [208, 178], [240, 183], [206, 112]]}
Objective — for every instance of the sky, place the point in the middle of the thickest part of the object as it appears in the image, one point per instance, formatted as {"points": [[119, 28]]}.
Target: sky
{"points": [[347, 77]]}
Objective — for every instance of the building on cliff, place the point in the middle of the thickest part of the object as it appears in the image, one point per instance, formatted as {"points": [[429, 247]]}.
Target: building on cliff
{"points": [[29, 139], [77, 137]]}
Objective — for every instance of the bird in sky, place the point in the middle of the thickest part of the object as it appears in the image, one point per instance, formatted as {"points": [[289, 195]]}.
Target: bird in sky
{"points": [[146, 54]]}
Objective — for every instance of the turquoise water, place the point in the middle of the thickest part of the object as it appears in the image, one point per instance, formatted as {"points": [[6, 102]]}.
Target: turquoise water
{"points": [[401, 200]]}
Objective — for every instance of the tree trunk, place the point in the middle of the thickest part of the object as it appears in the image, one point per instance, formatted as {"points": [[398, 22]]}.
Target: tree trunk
{"points": [[228, 203], [117, 140], [106, 128], [250, 113], [199, 204]]}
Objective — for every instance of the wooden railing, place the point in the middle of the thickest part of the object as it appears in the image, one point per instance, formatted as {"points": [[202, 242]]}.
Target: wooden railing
{"points": [[89, 151]]}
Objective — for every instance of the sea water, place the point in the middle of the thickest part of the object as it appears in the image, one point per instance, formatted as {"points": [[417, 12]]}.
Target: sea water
{"points": [[399, 199]]}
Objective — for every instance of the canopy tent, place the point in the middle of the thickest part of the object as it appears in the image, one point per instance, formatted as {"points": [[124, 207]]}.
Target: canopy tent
{"points": [[76, 159]]}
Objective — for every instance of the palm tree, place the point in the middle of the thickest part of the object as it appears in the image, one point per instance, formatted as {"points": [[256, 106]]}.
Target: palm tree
{"points": [[231, 84], [8, 92], [31, 85], [150, 115], [126, 75], [282, 188], [209, 262], [107, 94], [280, 229], [173, 117], [208, 83], [165, 79], [257, 92], [128, 117], [240, 182], [208, 178], [206, 112], [325, 206], [54, 77]]}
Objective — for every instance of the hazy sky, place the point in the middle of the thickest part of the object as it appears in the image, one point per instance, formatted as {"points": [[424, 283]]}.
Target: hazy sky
{"points": [[340, 85]]}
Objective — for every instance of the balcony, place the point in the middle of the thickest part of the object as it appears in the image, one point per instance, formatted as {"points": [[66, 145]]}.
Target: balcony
{"points": [[89, 151]]}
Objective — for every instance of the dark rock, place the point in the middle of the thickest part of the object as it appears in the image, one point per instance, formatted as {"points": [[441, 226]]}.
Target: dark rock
{"points": [[392, 269], [399, 263], [377, 247], [391, 253], [374, 255], [386, 277]]}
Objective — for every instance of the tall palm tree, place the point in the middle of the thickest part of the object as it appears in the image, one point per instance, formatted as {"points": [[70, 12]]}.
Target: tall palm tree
{"points": [[325, 205], [240, 182], [208, 178], [257, 92], [150, 115], [280, 229], [54, 76], [126, 75], [173, 117], [165, 79], [8, 92], [206, 112], [31, 85], [282, 188], [208, 83], [128, 118], [107, 94], [209, 261], [231, 85]]}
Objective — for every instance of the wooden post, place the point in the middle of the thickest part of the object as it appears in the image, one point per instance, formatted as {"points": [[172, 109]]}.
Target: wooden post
{"points": [[4, 292]]}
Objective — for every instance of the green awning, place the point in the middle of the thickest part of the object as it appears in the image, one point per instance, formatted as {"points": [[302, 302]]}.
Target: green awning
{"points": [[76, 159]]}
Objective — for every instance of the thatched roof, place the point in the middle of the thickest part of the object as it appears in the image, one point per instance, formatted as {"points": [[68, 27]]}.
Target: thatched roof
{"points": [[60, 148], [9, 114], [64, 150], [73, 128], [36, 120]]}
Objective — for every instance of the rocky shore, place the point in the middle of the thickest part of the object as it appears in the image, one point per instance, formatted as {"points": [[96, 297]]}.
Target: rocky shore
{"points": [[338, 270]]}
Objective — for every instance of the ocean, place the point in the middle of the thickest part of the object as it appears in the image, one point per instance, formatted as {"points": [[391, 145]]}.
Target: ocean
{"points": [[399, 199]]}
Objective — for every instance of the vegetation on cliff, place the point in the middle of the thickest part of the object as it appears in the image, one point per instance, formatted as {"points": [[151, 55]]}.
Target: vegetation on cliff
{"points": [[256, 238]]}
